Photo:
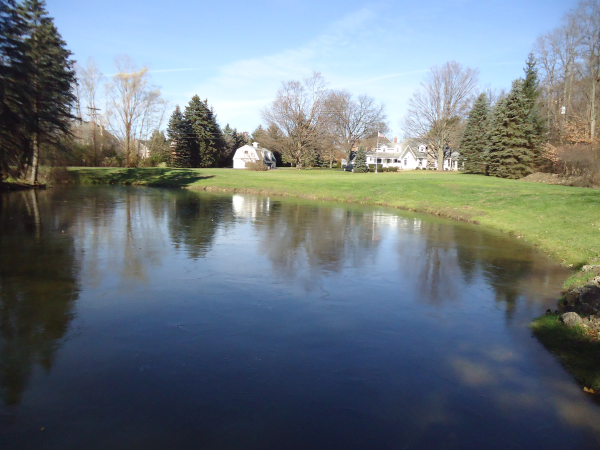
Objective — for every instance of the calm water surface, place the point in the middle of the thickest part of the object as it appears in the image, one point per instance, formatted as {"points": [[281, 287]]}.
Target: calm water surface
{"points": [[147, 318]]}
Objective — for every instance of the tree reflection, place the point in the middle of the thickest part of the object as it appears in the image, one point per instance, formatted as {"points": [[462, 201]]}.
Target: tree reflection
{"points": [[321, 239], [38, 286], [194, 220]]}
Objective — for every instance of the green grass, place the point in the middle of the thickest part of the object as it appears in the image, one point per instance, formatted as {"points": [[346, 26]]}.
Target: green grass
{"points": [[563, 221], [573, 347]]}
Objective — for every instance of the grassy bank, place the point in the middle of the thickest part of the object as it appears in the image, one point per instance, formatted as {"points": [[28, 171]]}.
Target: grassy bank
{"points": [[577, 350], [563, 221]]}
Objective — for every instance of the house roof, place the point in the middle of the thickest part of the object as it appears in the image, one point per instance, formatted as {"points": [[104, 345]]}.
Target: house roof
{"points": [[261, 153]]}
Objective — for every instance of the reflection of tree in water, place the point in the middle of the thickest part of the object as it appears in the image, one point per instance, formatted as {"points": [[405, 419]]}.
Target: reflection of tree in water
{"points": [[322, 238], [503, 261], [438, 269], [38, 286], [194, 220]]}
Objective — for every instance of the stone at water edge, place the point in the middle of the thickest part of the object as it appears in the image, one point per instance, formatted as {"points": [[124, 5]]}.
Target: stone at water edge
{"points": [[571, 319]]}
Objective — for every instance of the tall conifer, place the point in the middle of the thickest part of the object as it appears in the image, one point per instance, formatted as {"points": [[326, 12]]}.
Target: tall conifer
{"points": [[475, 138], [179, 131], [531, 90], [206, 140], [50, 81], [510, 152], [14, 90]]}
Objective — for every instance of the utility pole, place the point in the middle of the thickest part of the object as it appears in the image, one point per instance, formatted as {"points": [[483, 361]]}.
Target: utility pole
{"points": [[94, 133]]}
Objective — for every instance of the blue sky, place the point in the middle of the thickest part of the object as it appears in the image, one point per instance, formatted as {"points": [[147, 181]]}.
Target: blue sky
{"points": [[236, 54]]}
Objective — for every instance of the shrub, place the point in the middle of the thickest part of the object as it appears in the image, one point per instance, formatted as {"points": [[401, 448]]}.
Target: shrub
{"points": [[578, 160], [257, 166]]}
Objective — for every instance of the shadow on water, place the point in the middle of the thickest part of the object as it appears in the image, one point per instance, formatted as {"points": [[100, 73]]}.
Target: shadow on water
{"points": [[38, 287]]}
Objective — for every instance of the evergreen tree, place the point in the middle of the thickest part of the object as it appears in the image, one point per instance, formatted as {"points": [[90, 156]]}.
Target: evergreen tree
{"points": [[14, 90], [206, 141], [510, 152], [50, 81], [179, 131], [475, 138], [159, 147], [531, 90], [360, 161]]}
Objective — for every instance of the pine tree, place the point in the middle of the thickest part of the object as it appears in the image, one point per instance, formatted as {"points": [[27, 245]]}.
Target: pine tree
{"points": [[531, 90], [179, 131], [50, 80], [360, 161], [159, 147], [475, 138], [206, 140], [14, 90], [510, 152]]}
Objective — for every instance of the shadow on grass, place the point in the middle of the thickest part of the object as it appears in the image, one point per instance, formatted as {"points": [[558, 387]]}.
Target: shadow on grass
{"points": [[166, 177]]}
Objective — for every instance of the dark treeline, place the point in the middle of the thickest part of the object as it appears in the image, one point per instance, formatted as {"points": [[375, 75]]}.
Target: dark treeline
{"points": [[36, 75], [196, 139], [505, 140]]}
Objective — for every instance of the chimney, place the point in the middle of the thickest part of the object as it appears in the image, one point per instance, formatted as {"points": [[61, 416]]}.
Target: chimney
{"points": [[255, 144], [395, 140]]}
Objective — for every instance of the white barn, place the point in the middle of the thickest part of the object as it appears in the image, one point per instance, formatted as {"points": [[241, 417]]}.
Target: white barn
{"points": [[253, 153]]}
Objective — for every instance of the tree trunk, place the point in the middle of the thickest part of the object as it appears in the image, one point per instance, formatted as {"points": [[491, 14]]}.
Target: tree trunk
{"points": [[35, 159], [440, 158]]}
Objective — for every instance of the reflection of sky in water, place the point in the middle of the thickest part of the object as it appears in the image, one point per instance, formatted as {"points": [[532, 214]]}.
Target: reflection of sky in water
{"points": [[189, 320]]}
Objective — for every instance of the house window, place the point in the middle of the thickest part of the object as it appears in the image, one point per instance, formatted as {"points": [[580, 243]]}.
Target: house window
{"points": [[405, 161]]}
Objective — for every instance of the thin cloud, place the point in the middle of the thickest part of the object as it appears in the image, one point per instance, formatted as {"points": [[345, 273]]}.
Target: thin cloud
{"points": [[383, 77]]}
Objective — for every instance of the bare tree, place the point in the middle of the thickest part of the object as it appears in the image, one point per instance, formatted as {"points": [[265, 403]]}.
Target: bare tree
{"points": [[90, 78], [131, 102], [435, 112], [299, 112], [352, 120]]}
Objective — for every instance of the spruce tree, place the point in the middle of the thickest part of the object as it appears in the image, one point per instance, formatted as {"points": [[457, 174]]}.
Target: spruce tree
{"points": [[159, 147], [531, 90], [206, 139], [14, 90], [179, 131], [510, 153], [475, 138], [50, 80], [360, 161]]}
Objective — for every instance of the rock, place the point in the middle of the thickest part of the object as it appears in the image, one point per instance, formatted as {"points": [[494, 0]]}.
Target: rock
{"points": [[571, 297], [594, 282], [571, 319], [589, 294], [591, 268]]}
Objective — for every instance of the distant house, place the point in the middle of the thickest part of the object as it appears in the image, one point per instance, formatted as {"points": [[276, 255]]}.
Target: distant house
{"points": [[400, 155], [253, 153]]}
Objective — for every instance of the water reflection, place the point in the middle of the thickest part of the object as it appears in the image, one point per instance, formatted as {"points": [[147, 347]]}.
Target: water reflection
{"points": [[39, 265], [252, 322]]}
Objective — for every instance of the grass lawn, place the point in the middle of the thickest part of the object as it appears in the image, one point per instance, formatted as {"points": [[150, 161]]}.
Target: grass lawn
{"points": [[563, 221]]}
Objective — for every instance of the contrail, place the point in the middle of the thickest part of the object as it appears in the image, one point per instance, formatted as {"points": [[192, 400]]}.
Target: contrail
{"points": [[370, 80]]}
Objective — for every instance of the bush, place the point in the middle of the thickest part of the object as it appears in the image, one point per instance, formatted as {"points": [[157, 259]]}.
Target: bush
{"points": [[379, 168], [579, 160], [257, 166]]}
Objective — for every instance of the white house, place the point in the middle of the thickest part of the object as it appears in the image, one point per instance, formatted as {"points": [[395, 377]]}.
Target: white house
{"points": [[402, 156], [253, 153]]}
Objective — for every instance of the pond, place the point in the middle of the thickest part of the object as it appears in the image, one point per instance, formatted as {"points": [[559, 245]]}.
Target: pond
{"points": [[139, 318]]}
